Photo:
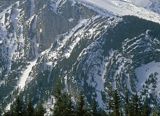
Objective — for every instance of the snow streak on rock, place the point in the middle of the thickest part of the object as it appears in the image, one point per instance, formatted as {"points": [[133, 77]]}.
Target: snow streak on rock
{"points": [[25, 75]]}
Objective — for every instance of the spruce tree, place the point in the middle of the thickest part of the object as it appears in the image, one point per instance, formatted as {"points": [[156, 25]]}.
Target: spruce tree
{"points": [[69, 106], [30, 109], [116, 109], [146, 108], [81, 111], [17, 108], [134, 108], [63, 105], [110, 105], [8, 113], [94, 108], [58, 106], [40, 111], [136, 105], [155, 111], [126, 103], [110, 101]]}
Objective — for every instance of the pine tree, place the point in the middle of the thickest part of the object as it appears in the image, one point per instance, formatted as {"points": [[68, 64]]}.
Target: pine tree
{"points": [[155, 111], [8, 113], [127, 104], [136, 105], [40, 111], [81, 105], [146, 108], [111, 105], [58, 107], [116, 109], [30, 109], [69, 107], [131, 108], [94, 108], [81, 111], [17, 109], [110, 100], [63, 105]]}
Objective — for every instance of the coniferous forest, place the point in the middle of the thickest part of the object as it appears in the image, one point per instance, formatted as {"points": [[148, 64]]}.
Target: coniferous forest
{"points": [[79, 57], [64, 106]]}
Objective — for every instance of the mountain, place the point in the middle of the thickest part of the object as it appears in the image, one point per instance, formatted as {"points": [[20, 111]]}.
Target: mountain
{"points": [[91, 46]]}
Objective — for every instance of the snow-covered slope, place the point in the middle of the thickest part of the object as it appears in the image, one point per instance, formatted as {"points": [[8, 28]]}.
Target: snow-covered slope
{"points": [[147, 72], [153, 5], [140, 3], [126, 7]]}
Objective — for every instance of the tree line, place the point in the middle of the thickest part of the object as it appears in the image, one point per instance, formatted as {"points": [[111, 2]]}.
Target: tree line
{"points": [[19, 108], [64, 106]]}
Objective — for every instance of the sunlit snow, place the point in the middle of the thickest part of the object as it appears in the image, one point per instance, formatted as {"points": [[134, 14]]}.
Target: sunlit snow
{"points": [[123, 8], [144, 71], [26, 73]]}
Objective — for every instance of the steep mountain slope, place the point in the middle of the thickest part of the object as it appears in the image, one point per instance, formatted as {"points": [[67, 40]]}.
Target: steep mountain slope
{"points": [[91, 48]]}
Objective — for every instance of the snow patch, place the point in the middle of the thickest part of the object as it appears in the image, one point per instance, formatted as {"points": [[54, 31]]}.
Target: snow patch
{"points": [[49, 105], [1, 41], [40, 30], [144, 71], [140, 3], [26, 73], [71, 20]]}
